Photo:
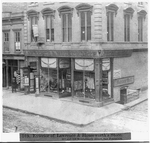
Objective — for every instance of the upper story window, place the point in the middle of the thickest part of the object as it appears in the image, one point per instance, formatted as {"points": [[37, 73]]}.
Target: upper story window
{"points": [[141, 17], [17, 40], [48, 15], [85, 12], [33, 19], [6, 41], [111, 11], [128, 13], [66, 14]]}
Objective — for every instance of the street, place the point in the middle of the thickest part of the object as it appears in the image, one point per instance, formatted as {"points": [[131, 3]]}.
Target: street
{"points": [[131, 120]]}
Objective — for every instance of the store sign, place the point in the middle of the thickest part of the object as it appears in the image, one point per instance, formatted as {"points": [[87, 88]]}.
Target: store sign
{"points": [[84, 64], [117, 74], [35, 30], [123, 81]]}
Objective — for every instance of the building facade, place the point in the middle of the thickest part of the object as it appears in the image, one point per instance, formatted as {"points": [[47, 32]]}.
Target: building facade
{"points": [[13, 41], [85, 52]]}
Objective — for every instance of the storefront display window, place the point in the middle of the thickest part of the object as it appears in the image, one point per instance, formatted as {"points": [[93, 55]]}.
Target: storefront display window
{"points": [[48, 73], [84, 78]]}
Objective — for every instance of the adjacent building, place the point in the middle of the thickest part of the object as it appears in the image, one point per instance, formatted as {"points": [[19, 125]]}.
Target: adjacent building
{"points": [[13, 41], [85, 52]]}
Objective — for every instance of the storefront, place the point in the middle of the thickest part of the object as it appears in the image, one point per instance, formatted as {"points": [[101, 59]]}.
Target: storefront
{"points": [[12, 69], [82, 76]]}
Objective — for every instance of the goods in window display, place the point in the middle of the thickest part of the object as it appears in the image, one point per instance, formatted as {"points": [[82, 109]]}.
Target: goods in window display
{"points": [[84, 78]]}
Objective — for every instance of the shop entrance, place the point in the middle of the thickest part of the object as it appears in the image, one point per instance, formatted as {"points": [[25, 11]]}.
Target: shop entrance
{"points": [[64, 77]]}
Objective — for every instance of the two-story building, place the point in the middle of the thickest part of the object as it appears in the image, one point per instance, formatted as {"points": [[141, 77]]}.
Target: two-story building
{"points": [[86, 52], [13, 41]]}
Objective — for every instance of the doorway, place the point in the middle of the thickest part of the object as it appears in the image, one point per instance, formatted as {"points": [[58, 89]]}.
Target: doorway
{"points": [[64, 77]]}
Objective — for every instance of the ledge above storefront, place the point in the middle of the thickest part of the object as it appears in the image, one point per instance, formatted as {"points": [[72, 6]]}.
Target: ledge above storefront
{"points": [[78, 53]]}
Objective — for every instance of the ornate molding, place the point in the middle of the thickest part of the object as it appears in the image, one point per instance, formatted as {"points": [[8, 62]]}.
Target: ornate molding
{"points": [[129, 11], [48, 11], [142, 13], [84, 7], [32, 13], [65, 9], [112, 8]]}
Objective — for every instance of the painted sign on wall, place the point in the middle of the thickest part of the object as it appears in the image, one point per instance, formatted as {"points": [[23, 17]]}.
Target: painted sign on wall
{"points": [[123, 81]]}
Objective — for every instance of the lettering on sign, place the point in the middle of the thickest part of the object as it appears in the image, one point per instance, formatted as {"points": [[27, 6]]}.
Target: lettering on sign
{"points": [[123, 81]]}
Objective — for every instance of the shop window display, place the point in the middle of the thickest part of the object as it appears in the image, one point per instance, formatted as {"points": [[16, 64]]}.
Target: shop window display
{"points": [[84, 78], [48, 81]]}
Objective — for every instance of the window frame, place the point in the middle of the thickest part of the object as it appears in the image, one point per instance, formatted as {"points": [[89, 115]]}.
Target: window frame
{"points": [[111, 11], [6, 39], [85, 25], [16, 39], [66, 10], [110, 25], [127, 12], [30, 15], [140, 28], [85, 8], [127, 27], [48, 12]]}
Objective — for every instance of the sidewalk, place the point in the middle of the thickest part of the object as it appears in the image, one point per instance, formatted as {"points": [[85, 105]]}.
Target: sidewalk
{"points": [[60, 110]]}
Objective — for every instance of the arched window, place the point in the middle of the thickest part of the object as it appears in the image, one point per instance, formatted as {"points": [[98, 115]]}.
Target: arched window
{"points": [[111, 11], [65, 12], [141, 17], [128, 14], [33, 18], [85, 11], [48, 15]]}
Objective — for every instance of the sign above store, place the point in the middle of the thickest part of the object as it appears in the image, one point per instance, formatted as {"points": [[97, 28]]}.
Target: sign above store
{"points": [[79, 53], [123, 81]]}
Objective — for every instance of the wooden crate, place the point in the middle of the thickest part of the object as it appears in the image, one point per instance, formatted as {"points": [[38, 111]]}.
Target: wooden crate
{"points": [[126, 98]]}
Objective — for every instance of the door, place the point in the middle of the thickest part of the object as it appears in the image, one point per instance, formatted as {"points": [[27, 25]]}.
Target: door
{"points": [[64, 77]]}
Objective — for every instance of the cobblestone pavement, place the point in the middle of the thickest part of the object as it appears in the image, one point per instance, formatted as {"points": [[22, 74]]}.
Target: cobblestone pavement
{"points": [[131, 120]]}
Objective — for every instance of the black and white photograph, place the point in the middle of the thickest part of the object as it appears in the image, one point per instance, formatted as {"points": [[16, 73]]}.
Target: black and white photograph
{"points": [[75, 70]]}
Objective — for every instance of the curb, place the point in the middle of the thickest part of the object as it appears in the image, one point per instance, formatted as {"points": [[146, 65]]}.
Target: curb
{"points": [[46, 117], [130, 106]]}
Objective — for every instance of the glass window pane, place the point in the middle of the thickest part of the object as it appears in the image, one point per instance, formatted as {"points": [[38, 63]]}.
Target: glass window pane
{"points": [[82, 19], [47, 22], [52, 34], [48, 74], [84, 81], [89, 33], [88, 18], [64, 20]]}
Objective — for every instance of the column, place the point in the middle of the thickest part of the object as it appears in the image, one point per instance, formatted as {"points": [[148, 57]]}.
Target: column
{"points": [[112, 71], [57, 66], [7, 74], [72, 77], [98, 80]]}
